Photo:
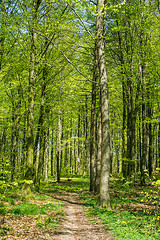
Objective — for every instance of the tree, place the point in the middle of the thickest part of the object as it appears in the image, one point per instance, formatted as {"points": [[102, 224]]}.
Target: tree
{"points": [[106, 152], [31, 91]]}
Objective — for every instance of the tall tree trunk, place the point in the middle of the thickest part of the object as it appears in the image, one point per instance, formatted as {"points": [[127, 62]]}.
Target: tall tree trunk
{"points": [[79, 142], [143, 159], [124, 127], [70, 147], [52, 153], [139, 143], [124, 138], [150, 135], [93, 122], [31, 92], [104, 199], [59, 139], [15, 133], [40, 136], [41, 158], [75, 158], [99, 153], [46, 157], [2, 31], [159, 145], [2, 151], [111, 144], [86, 135], [23, 156]]}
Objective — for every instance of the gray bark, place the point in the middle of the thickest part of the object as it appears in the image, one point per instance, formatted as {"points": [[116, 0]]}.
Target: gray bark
{"points": [[31, 95], [59, 139], [93, 123], [104, 199], [46, 158]]}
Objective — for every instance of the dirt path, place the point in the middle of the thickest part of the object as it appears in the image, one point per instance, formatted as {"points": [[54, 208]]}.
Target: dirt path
{"points": [[76, 226]]}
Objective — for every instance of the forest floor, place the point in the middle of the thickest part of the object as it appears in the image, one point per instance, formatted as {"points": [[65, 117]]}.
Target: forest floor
{"points": [[68, 211], [60, 216]]}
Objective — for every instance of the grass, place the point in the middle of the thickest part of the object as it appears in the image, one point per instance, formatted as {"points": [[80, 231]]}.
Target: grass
{"points": [[28, 209], [40, 208], [130, 217]]}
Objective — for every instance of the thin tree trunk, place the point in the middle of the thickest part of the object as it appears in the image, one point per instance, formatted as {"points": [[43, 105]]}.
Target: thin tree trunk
{"points": [[144, 136], [2, 151], [159, 146], [93, 123], [41, 158], [23, 157], [79, 143], [70, 147], [46, 159], [150, 153], [2, 32], [75, 158], [52, 153], [99, 153], [59, 139]]}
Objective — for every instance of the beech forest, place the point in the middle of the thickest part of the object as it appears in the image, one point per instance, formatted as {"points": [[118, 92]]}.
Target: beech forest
{"points": [[80, 113]]}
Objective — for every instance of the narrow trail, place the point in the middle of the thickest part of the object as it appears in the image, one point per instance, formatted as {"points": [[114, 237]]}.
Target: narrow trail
{"points": [[76, 226]]}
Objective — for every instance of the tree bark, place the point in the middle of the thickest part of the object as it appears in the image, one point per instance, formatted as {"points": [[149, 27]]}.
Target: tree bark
{"points": [[2, 32], [59, 139], [159, 145], [99, 153], [31, 94], [104, 199], [52, 153], [93, 123], [46, 157], [79, 142]]}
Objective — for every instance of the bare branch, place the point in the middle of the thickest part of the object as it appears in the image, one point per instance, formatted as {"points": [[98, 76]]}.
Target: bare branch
{"points": [[80, 19]]}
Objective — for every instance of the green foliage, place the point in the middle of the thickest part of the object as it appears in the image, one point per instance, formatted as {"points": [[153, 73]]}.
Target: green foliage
{"points": [[26, 209], [153, 199], [50, 222], [3, 209], [47, 212], [67, 185]]}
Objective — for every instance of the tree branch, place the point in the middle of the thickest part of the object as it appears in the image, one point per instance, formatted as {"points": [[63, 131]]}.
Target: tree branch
{"points": [[80, 19]]}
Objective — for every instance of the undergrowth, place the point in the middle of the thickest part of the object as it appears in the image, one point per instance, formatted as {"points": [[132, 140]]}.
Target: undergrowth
{"points": [[131, 216], [39, 208]]}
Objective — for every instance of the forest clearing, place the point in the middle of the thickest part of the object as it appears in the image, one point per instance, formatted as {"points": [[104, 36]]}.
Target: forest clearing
{"points": [[79, 119]]}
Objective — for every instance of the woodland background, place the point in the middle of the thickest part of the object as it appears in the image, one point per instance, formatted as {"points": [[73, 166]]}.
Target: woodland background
{"points": [[50, 92]]}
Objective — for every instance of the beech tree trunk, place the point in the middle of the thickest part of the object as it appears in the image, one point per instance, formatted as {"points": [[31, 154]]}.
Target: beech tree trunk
{"points": [[79, 142], [93, 123], [98, 162], [59, 152], [2, 31], [46, 159], [52, 153], [31, 92], [159, 145], [104, 199]]}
